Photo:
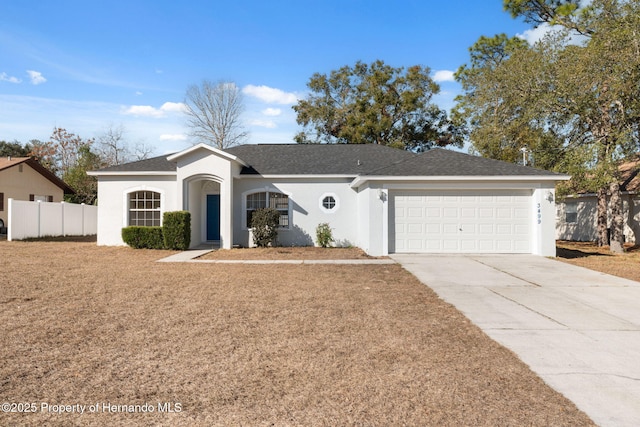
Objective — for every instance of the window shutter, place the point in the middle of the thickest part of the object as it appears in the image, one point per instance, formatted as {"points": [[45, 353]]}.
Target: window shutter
{"points": [[49, 198], [32, 197], [1, 202]]}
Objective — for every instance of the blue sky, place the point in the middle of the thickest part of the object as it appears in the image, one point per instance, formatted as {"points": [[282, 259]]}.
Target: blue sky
{"points": [[85, 65]]}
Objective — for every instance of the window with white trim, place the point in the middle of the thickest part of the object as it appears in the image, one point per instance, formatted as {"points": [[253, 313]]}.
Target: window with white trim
{"points": [[329, 203], [144, 208], [268, 199]]}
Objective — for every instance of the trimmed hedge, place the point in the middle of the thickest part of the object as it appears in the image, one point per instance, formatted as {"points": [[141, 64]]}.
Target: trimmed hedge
{"points": [[143, 237], [176, 227]]}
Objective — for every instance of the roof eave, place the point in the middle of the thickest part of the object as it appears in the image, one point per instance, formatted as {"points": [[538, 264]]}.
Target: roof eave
{"points": [[360, 180], [298, 176], [214, 150], [133, 173]]}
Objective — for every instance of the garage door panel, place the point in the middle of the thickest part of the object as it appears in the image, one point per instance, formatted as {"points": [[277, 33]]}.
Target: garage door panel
{"points": [[449, 229], [468, 213], [415, 228], [450, 212], [431, 228], [486, 228], [415, 212], [433, 212], [497, 221]]}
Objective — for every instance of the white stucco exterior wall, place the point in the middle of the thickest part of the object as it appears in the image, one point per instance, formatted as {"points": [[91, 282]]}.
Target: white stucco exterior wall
{"points": [[304, 209], [543, 229], [112, 202], [373, 205], [203, 165]]}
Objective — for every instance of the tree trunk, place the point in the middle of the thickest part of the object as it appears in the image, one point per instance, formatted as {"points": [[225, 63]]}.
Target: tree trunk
{"points": [[617, 220], [603, 238]]}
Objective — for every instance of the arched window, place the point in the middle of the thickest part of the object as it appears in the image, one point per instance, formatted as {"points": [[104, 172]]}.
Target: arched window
{"points": [[268, 199], [144, 208]]}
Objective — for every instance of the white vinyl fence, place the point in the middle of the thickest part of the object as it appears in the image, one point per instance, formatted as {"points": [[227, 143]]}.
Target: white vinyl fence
{"points": [[45, 219]]}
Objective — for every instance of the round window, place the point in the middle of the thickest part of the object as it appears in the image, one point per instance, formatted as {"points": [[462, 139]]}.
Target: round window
{"points": [[329, 202]]}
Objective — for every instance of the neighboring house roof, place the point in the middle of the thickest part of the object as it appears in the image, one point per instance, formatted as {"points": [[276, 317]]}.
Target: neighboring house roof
{"points": [[629, 179], [629, 172], [154, 164], [349, 160], [9, 162]]}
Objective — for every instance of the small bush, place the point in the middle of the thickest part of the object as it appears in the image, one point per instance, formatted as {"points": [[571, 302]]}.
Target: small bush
{"points": [[176, 228], [143, 237], [265, 223], [324, 235]]}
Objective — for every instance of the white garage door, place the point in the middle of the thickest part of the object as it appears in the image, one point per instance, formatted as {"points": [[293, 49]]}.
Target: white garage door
{"points": [[460, 221]]}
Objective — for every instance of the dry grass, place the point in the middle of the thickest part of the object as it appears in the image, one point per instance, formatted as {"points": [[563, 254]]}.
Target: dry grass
{"points": [[249, 345], [589, 255], [288, 253]]}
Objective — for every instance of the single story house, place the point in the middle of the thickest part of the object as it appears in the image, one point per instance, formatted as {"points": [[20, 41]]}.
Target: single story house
{"points": [[577, 215], [24, 178], [381, 199]]}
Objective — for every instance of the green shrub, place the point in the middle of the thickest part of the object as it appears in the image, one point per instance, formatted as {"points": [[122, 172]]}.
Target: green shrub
{"points": [[176, 228], [143, 237], [324, 235], [265, 223]]}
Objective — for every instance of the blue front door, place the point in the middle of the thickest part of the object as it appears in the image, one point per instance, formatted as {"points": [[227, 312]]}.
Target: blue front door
{"points": [[213, 217]]}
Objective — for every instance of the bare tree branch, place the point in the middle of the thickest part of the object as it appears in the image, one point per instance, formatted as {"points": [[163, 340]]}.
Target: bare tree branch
{"points": [[213, 113]]}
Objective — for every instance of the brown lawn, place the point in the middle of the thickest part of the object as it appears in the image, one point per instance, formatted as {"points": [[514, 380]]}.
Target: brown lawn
{"points": [[587, 254], [288, 253], [294, 345]]}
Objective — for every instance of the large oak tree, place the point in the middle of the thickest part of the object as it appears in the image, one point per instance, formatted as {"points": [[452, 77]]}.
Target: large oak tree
{"points": [[578, 98], [377, 104]]}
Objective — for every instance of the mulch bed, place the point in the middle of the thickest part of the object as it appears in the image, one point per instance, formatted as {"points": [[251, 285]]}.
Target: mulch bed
{"points": [[248, 345]]}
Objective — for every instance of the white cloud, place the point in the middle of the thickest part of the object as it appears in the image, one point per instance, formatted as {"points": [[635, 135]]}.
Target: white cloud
{"points": [[174, 107], [149, 111], [6, 78], [270, 95], [143, 110], [36, 77], [444, 76], [535, 34], [272, 112], [263, 124], [173, 137]]}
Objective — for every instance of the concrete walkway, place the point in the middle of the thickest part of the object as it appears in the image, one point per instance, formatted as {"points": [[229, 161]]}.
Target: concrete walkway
{"points": [[579, 330]]}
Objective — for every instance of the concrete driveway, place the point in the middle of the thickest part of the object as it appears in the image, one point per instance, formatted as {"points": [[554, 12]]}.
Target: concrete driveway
{"points": [[579, 330]]}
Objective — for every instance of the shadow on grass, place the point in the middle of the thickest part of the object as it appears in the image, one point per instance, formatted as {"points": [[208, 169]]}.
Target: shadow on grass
{"points": [[79, 239], [575, 253]]}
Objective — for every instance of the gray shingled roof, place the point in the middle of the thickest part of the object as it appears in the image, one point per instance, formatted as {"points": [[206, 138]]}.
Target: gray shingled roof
{"points": [[317, 159], [350, 160], [442, 162], [154, 164]]}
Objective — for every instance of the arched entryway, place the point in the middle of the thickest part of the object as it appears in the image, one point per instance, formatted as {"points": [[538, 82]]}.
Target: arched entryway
{"points": [[203, 200]]}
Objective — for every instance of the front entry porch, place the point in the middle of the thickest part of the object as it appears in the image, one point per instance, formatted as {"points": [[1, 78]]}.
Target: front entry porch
{"points": [[204, 197]]}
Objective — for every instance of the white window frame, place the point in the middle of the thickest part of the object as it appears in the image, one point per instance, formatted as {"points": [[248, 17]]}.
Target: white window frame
{"points": [[126, 197], [335, 207], [266, 190], [571, 208]]}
